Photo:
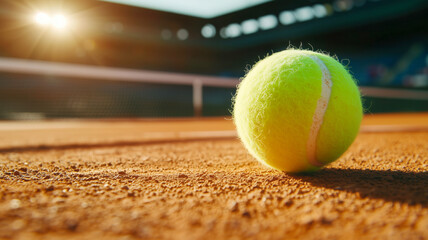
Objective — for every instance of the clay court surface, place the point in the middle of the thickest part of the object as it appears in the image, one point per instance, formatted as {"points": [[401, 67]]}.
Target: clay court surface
{"points": [[192, 179]]}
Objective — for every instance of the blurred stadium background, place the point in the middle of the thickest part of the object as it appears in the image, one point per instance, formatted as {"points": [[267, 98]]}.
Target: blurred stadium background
{"points": [[102, 59]]}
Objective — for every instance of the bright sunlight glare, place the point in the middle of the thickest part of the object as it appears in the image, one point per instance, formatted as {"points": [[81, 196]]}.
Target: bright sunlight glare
{"points": [[57, 21], [42, 18]]}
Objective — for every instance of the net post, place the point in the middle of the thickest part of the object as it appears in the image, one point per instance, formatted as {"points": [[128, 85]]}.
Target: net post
{"points": [[197, 98]]}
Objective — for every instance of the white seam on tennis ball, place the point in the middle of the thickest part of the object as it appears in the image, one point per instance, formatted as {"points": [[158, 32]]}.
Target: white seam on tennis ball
{"points": [[318, 117]]}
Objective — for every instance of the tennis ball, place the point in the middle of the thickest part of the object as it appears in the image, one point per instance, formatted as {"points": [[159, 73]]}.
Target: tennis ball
{"points": [[297, 110]]}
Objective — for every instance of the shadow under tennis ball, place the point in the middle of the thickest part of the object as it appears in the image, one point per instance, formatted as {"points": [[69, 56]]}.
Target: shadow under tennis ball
{"points": [[396, 186]]}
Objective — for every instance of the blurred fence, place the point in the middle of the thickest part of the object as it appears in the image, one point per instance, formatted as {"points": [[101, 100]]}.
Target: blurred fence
{"points": [[36, 90]]}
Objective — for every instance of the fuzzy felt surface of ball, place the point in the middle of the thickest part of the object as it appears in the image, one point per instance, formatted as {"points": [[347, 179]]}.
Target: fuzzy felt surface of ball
{"points": [[297, 110]]}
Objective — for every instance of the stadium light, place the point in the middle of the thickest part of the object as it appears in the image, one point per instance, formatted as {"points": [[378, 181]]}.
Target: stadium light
{"points": [[319, 10], [223, 32], [287, 18], [182, 34], [268, 22], [208, 31], [250, 26], [304, 14], [233, 30]]}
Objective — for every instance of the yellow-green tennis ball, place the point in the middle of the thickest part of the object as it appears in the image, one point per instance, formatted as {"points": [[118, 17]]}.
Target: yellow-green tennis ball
{"points": [[297, 110]]}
